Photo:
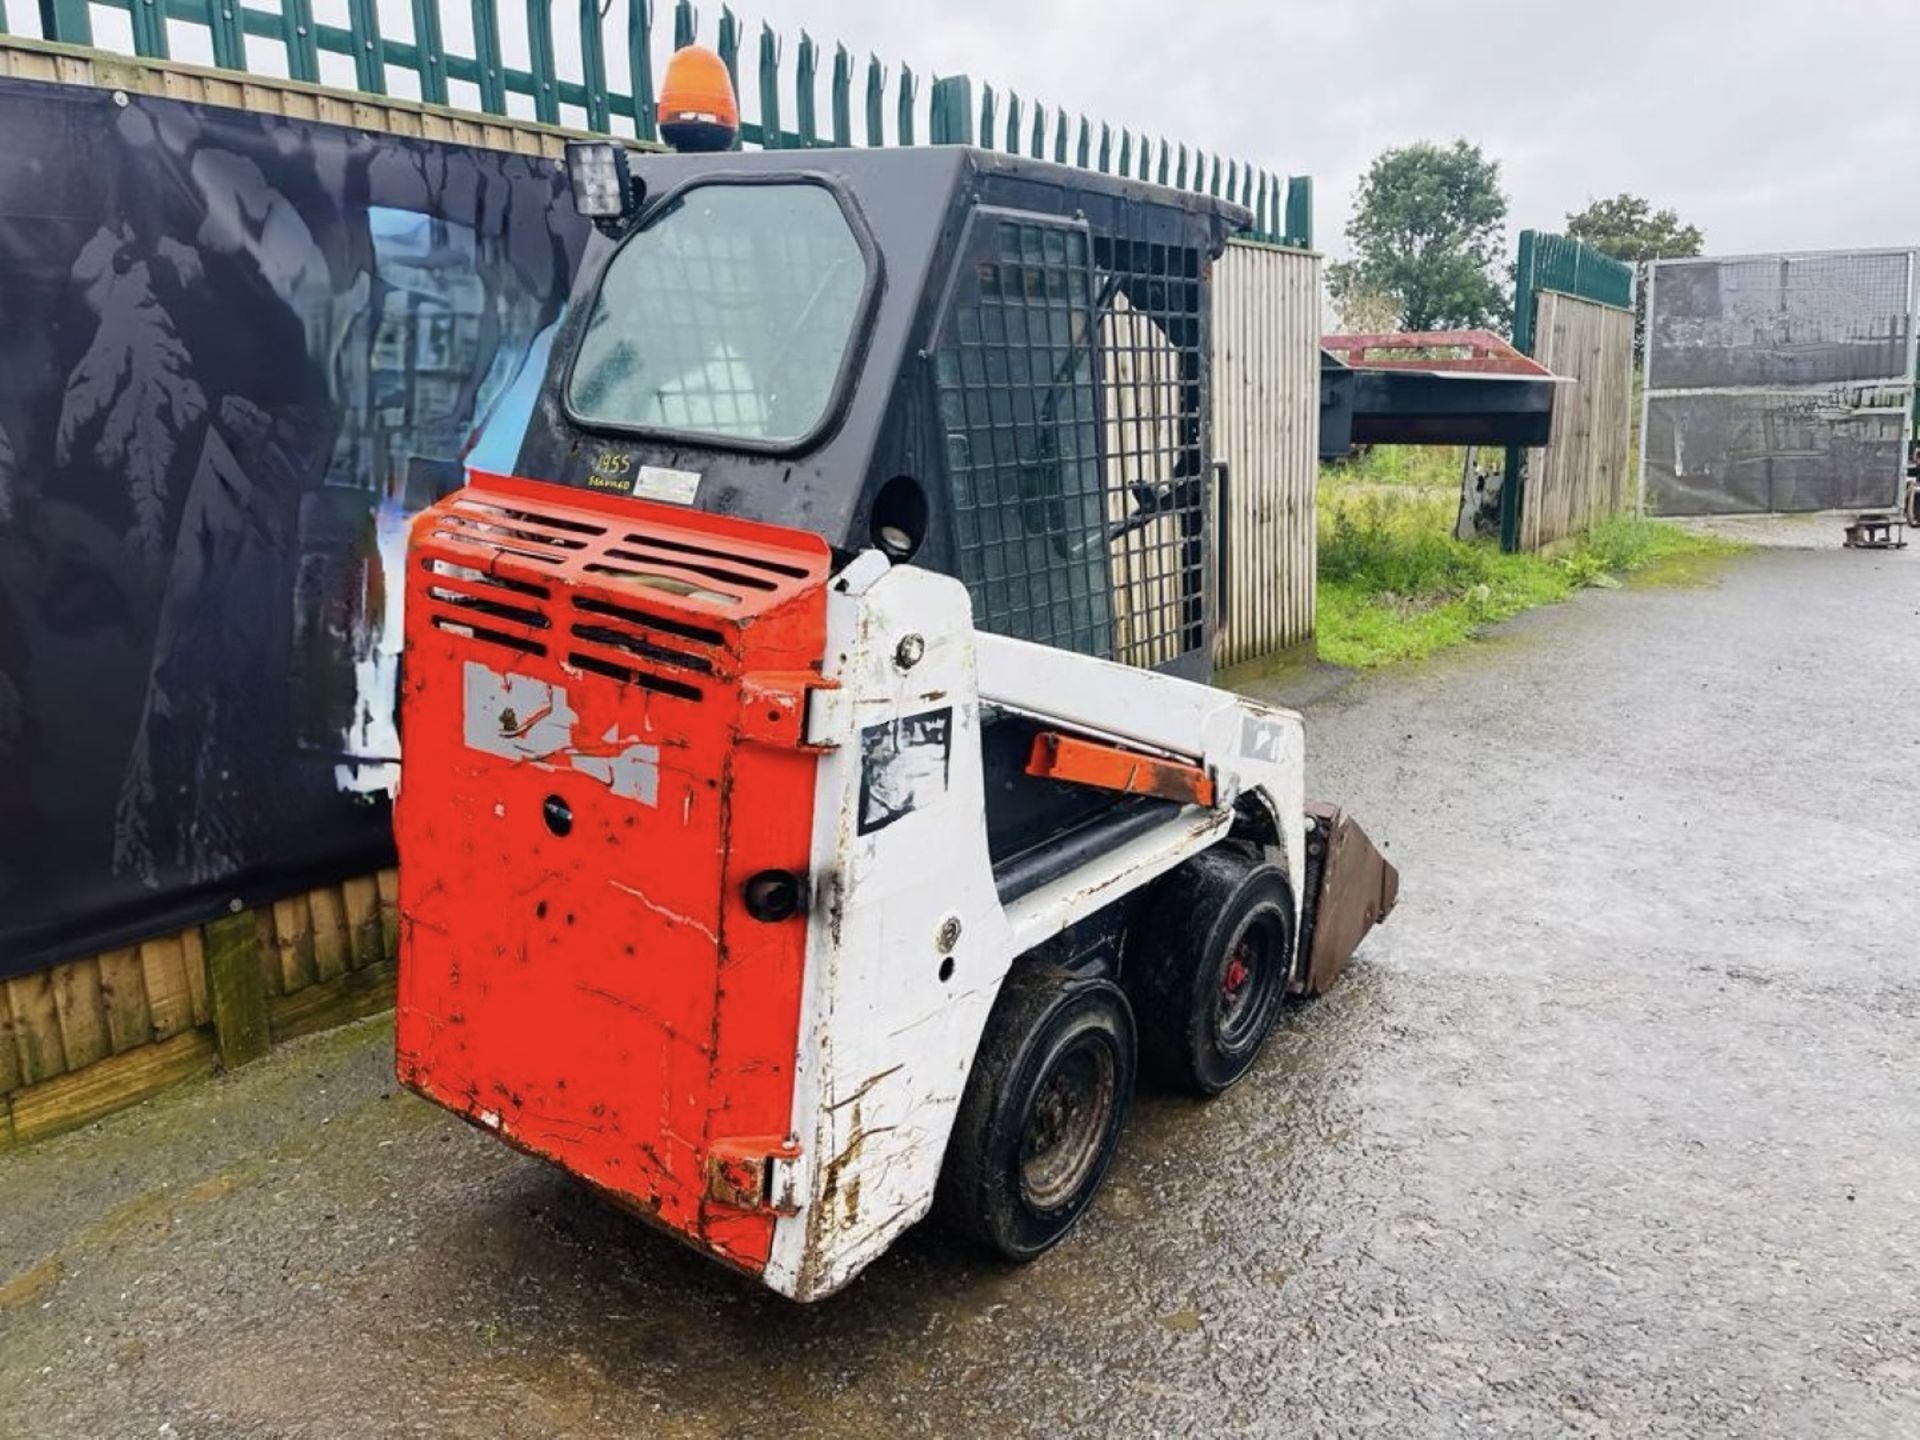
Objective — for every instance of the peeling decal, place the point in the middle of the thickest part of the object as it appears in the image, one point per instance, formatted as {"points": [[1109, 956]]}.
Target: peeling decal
{"points": [[632, 772], [521, 717], [903, 766], [376, 671], [1263, 739], [516, 716]]}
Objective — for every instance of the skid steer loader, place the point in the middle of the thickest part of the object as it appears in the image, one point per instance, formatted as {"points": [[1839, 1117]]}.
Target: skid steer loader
{"points": [[814, 807]]}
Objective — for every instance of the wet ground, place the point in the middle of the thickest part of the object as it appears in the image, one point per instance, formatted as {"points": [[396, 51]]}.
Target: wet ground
{"points": [[1614, 1130]]}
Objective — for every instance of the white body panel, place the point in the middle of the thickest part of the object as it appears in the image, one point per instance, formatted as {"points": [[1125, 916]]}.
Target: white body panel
{"points": [[903, 883]]}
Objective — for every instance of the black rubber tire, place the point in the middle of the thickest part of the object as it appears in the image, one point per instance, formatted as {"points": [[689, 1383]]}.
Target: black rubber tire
{"points": [[1047, 1028], [1197, 1031]]}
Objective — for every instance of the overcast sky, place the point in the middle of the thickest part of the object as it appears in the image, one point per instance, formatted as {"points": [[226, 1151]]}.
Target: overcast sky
{"points": [[1772, 124]]}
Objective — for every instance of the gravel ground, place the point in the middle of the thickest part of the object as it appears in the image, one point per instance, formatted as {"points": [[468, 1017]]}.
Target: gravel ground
{"points": [[1613, 1130]]}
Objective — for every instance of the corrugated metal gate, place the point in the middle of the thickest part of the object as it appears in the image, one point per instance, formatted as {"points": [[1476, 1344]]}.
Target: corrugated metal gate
{"points": [[1266, 426], [1778, 383]]}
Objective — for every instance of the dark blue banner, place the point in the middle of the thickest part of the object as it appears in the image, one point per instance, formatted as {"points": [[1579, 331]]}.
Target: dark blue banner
{"points": [[237, 351]]}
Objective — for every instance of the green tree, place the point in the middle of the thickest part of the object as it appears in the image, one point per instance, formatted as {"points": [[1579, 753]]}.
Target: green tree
{"points": [[1429, 232], [1629, 228]]}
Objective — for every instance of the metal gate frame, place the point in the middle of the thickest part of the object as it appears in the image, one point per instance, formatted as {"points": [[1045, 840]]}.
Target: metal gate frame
{"points": [[1908, 384]]}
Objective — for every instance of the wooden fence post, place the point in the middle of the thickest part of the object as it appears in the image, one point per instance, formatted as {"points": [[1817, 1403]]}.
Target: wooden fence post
{"points": [[238, 988]]}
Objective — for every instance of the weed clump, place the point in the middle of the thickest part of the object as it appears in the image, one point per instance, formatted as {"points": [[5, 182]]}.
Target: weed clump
{"points": [[1395, 584]]}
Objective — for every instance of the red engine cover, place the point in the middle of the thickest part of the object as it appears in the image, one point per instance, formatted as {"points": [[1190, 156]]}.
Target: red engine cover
{"points": [[603, 710]]}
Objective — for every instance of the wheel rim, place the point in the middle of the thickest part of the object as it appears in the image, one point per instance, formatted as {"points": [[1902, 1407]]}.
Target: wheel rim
{"points": [[1067, 1123], [1246, 981]]}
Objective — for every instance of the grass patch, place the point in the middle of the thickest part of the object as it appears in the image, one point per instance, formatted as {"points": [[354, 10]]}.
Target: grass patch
{"points": [[1395, 584]]}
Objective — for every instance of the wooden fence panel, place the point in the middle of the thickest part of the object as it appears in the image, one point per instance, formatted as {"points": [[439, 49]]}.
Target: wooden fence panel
{"points": [[32, 60], [1266, 426], [88, 1036], [1581, 477]]}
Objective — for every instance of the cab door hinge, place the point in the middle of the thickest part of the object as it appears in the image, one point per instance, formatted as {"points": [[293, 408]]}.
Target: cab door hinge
{"points": [[829, 717], [774, 708]]}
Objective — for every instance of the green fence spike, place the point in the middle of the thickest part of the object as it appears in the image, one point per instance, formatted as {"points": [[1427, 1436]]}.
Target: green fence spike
{"points": [[771, 137], [432, 49], [1525, 291], [149, 28], [369, 56], [728, 45], [546, 98], [66, 21], [640, 67], [951, 121], [1299, 227], [1279, 211], [486, 48], [296, 32], [3, 17], [842, 102], [1562, 263], [225, 32], [593, 68], [806, 68], [876, 100]]}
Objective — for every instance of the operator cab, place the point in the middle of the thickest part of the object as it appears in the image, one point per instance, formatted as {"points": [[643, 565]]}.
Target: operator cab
{"points": [[988, 366]]}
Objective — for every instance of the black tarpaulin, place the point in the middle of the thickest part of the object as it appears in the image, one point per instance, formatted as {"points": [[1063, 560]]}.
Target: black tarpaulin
{"points": [[237, 351]]}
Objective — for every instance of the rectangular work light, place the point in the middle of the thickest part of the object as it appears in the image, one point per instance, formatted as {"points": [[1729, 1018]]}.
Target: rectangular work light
{"points": [[597, 171]]}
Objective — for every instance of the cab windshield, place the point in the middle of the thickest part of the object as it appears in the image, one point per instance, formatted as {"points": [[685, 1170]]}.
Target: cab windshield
{"points": [[728, 317]]}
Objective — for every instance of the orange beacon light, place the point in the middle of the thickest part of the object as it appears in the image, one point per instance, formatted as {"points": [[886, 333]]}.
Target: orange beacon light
{"points": [[697, 110]]}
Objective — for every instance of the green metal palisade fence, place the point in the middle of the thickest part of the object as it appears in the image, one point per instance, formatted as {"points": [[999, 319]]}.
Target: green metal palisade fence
{"points": [[1282, 207], [1572, 267], [1556, 262]]}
